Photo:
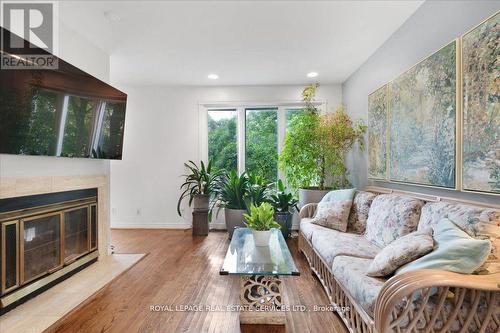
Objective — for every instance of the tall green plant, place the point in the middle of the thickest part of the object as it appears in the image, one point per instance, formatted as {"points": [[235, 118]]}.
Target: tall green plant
{"points": [[315, 146], [200, 180], [258, 189], [337, 134], [298, 159], [232, 189], [283, 201]]}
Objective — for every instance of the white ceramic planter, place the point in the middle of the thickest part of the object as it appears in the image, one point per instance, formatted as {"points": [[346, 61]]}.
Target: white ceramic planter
{"points": [[261, 238]]}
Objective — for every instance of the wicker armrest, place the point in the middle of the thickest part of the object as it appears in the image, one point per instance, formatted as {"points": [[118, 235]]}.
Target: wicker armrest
{"points": [[435, 300], [308, 210]]}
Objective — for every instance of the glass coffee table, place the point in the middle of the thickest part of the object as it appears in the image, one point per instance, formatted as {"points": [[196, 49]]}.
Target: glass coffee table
{"points": [[259, 268]]}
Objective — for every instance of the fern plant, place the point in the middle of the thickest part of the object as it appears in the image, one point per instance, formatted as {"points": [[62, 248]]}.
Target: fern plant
{"points": [[261, 218]]}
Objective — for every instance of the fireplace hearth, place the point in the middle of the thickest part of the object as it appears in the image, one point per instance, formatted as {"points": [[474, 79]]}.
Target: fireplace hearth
{"points": [[44, 239]]}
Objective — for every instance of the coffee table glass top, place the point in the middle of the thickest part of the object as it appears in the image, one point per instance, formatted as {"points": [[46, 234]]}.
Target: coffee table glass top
{"points": [[244, 258]]}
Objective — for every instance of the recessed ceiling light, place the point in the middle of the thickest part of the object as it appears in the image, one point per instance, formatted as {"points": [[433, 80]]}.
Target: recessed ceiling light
{"points": [[312, 74], [112, 16], [213, 76]]}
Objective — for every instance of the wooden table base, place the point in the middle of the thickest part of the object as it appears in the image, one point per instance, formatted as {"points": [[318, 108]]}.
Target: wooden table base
{"points": [[261, 300]]}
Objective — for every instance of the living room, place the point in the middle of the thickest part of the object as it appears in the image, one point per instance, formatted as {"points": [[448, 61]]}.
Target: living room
{"points": [[250, 166]]}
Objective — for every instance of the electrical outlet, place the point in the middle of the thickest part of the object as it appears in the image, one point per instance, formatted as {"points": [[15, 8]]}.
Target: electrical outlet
{"points": [[113, 211]]}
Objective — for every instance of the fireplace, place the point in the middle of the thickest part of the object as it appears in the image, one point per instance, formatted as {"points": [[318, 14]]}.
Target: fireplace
{"points": [[44, 239]]}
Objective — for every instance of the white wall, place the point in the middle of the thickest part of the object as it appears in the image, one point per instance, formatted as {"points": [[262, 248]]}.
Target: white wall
{"points": [[80, 52], [433, 25], [161, 133]]}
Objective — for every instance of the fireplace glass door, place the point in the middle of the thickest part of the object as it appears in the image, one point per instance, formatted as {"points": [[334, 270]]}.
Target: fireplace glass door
{"points": [[76, 233], [41, 245]]}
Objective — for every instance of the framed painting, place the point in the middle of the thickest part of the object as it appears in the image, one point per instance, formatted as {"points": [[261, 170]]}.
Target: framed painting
{"points": [[377, 133], [423, 121], [481, 107]]}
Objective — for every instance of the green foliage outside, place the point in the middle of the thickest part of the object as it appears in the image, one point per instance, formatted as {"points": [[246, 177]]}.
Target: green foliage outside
{"points": [[262, 143], [222, 142]]}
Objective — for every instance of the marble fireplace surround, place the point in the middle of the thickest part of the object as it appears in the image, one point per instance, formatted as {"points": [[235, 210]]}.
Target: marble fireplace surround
{"points": [[39, 313], [20, 186]]}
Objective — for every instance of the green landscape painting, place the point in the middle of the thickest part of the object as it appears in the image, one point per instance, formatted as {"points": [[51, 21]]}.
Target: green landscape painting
{"points": [[481, 91], [377, 133], [423, 121]]}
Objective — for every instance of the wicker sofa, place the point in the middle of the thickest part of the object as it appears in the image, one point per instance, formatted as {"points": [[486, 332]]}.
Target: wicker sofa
{"points": [[416, 301]]}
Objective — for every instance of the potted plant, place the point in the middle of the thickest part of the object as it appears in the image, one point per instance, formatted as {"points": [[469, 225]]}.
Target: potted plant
{"points": [[315, 146], [261, 221], [258, 190], [231, 191], [284, 204], [199, 185]]}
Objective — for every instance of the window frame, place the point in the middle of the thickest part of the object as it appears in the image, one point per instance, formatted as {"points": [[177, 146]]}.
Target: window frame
{"points": [[241, 108]]}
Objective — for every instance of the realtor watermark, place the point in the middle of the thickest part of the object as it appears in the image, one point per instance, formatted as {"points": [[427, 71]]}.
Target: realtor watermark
{"points": [[239, 307], [30, 34]]}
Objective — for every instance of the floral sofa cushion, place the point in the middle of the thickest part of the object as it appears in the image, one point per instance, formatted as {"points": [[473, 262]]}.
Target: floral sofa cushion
{"points": [[307, 227], [359, 211], [477, 222], [402, 251], [392, 216], [333, 210], [350, 272], [332, 243]]}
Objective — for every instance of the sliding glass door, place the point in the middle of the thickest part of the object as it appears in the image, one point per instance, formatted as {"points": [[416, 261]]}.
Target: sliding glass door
{"points": [[248, 138]]}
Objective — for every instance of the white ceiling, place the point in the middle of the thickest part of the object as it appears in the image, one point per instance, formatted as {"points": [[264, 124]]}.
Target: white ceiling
{"points": [[244, 42]]}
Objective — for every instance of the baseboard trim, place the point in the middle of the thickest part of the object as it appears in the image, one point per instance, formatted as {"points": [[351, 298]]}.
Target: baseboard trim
{"points": [[182, 226], [217, 226]]}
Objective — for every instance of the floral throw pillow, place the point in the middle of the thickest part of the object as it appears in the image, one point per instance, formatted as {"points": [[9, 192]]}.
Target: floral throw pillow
{"points": [[359, 211], [400, 252], [333, 211]]}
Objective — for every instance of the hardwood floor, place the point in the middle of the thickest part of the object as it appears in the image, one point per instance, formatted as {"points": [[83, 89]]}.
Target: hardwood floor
{"points": [[184, 270]]}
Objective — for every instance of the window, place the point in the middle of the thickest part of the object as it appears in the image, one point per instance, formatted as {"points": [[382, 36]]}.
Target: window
{"points": [[292, 113], [222, 139], [261, 130], [247, 137]]}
